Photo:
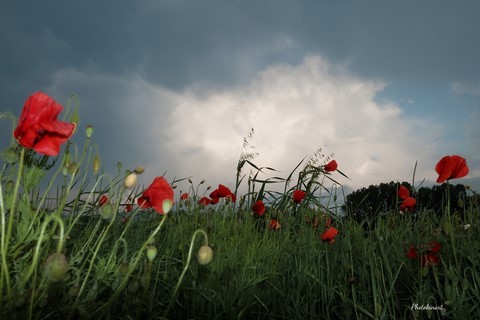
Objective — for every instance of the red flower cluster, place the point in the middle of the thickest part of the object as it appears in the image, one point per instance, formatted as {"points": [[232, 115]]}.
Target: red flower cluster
{"points": [[159, 196], [38, 127], [215, 196], [258, 208], [451, 167], [298, 196], [408, 202], [429, 256]]}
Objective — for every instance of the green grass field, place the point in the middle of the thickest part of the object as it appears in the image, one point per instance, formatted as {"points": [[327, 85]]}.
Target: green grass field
{"points": [[76, 245]]}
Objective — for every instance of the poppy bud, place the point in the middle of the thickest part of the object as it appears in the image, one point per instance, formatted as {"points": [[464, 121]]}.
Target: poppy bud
{"points": [[151, 252], [107, 211], [75, 118], [167, 205], [96, 164], [204, 254], [10, 155], [123, 269], [56, 267], [130, 181], [73, 168], [9, 186], [139, 170], [89, 131]]}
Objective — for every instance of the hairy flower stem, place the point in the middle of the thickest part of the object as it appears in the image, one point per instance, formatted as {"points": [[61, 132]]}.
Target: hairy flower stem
{"points": [[6, 236], [190, 251]]}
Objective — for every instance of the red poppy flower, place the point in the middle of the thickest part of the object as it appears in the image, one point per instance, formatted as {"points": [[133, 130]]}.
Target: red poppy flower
{"points": [[331, 166], [204, 201], [298, 196], [38, 127], [408, 204], [412, 253], [430, 259], [258, 208], [128, 207], [222, 192], [451, 167], [403, 192], [434, 246], [214, 200], [274, 225], [103, 199], [329, 235], [159, 196], [184, 196]]}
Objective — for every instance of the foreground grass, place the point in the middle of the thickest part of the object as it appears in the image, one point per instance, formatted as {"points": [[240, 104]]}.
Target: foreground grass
{"points": [[258, 273]]}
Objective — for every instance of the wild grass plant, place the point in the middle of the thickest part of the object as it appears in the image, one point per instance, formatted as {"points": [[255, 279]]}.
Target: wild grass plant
{"points": [[77, 243]]}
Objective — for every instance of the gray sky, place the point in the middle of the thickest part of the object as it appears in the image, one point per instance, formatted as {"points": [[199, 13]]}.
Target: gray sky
{"points": [[176, 85]]}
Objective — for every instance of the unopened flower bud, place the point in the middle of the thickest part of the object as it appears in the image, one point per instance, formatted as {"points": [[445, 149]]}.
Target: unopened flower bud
{"points": [[130, 181], [151, 252], [96, 164], [123, 269], [56, 267], [89, 131], [73, 168], [9, 186], [204, 254], [139, 170], [10, 155], [106, 211]]}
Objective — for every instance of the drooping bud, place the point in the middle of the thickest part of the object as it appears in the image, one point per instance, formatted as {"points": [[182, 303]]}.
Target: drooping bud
{"points": [[130, 181], [56, 267], [151, 252], [89, 131], [106, 211], [205, 254], [167, 205], [139, 170], [10, 155], [73, 168], [96, 164]]}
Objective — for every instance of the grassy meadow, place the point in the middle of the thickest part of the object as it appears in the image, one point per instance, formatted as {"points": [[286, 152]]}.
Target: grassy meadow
{"points": [[76, 243]]}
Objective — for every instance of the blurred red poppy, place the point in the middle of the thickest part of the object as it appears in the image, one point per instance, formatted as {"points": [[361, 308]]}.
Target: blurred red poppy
{"points": [[298, 196], [329, 235], [222, 192], [403, 192], [184, 196], [430, 259], [129, 207], [331, 166], [451, 167], [412, 253], [159, 196], [103, 199], [408, 203], [38, 127], [274, 225], [258, 208], [204, 201]]}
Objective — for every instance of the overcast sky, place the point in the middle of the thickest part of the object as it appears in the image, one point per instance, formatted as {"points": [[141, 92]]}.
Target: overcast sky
{"points": [[176, 85]]}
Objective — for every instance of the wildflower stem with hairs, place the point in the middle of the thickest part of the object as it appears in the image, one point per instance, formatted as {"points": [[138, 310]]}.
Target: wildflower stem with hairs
{"points": [[190, 252]]}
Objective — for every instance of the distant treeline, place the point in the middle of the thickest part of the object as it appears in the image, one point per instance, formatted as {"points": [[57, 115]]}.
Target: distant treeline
{"points": [[381, 199]]}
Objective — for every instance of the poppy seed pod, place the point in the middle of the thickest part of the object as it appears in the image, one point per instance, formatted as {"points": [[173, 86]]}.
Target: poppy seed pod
{"points": [[205, 254], [56, 267]]}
